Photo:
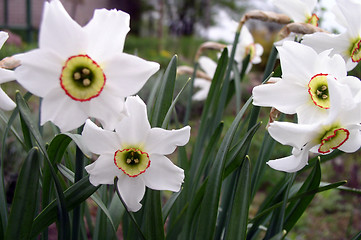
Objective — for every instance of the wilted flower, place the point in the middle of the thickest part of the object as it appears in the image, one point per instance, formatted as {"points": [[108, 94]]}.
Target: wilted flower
{"points": [[340, 130], [82, 72], [304, 86], [5, 76], [135, 153], [299, 11], [348, 43]]}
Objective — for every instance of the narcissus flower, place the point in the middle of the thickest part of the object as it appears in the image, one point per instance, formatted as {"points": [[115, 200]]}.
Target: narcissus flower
{"points": [[135, 153], [209, 67], [348, 43], [340, 130], [82, 72], [304, 86], [5, 76], [247, 46], [299, 11]]}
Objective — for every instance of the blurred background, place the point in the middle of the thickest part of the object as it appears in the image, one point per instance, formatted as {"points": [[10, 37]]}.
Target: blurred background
{"points": [[162, 28]]}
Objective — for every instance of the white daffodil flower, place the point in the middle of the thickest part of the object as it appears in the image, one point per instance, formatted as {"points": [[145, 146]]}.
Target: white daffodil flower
{"points": [[5, 76], [341, 130], [304, 86], [209, 67], [299, 11], [135, 153], [245, 46], [82, 72], [348, 43]]}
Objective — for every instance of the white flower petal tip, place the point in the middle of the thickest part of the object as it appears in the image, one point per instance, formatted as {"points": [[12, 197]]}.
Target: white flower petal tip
{"points": [[292, 163]]}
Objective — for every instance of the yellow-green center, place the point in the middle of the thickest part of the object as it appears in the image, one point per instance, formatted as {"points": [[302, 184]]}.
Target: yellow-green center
{"points": [[82, 78], [132, 161], [313, 20], [356, 51], [318, 90], [332, 139]]}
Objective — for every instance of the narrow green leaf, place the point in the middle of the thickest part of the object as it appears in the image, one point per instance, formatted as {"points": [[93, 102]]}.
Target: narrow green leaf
{"points": [[236, 154], [209, 206], [357, 236], [165, 94], [170, 110], [237, 226], [153, 223], [278, 216], [168, 206], [295, 209], [71, 176], [63, 216], [74, 195], [25, 199]]}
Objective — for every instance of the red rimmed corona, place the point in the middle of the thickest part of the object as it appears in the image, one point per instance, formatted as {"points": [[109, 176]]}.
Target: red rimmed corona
{"points": [[82, 78], [132, 161]]}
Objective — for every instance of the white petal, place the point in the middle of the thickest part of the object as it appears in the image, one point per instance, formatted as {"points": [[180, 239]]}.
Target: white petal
{"points": [[309, 113], [103, 170], [59, 32], [351, 11], [133, 128], [5, 102], [162, 174], [3, 37], [353, 143], [39, 71], [354, 84], [132, 191], [164, 142], [297, 60], [295, 9], [6, 75], [98, 140], [107, 108], [126, 74], [295, 135], [284, 95], [291, 163], [208, 65], [62, 111], [106, 32], [202, 93]]}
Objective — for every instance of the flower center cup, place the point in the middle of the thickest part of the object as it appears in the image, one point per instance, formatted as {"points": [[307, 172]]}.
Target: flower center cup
{"points": [[82, 78], [313, 20], [333, 139], [132, 161], [251, 50], [318, 90], [356, 51]]}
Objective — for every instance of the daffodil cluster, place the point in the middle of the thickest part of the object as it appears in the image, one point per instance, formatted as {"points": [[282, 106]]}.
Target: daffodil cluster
{"points": [[327, 101], [82, 73]]}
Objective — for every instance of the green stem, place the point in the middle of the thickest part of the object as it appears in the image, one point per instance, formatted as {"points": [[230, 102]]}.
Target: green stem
{"points": [[79, 166]]}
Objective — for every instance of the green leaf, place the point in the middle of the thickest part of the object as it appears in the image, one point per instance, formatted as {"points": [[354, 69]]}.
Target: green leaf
{"points": [[295, 209], [209, 206], [169, 113], [237, 226], [74, 195], [70, 176], [357, 236], [25, 199], [168, 206], [64, 230], [165, 94]]}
